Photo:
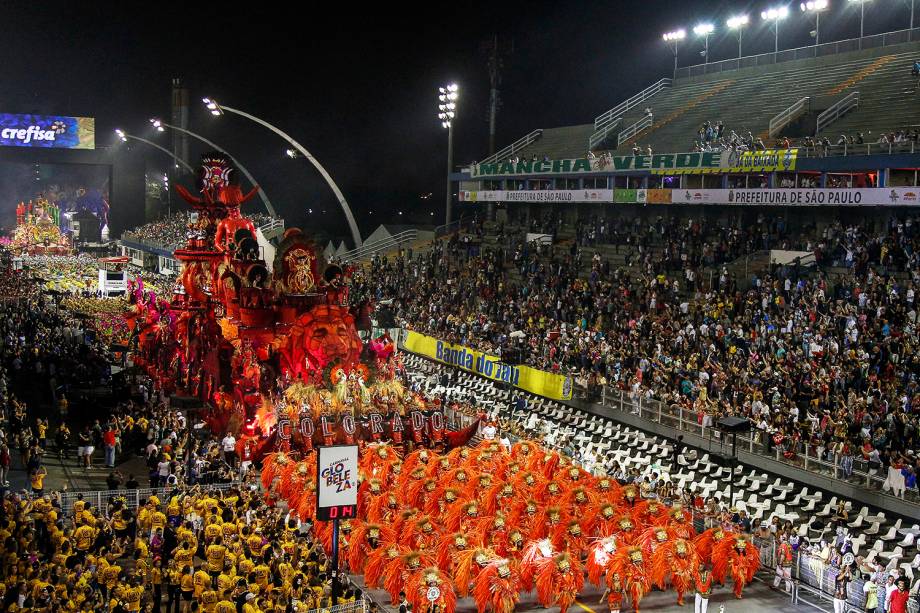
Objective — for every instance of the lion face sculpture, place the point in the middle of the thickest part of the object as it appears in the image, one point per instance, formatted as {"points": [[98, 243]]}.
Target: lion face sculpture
{"points": [[320, 336]]}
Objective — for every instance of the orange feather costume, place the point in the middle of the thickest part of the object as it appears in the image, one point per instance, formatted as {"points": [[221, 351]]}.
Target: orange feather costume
{"points": [[600, 553], [706, 542], [735, 556], [365, 538], [630, 566], [431, 589], [558, 581], [496, 586], [400, 570], [675, 562], [468, 565]]}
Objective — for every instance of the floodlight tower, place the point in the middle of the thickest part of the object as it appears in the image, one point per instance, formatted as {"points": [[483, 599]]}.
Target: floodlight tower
{"points": [[738, 23], [447, 110], [672, 39]]}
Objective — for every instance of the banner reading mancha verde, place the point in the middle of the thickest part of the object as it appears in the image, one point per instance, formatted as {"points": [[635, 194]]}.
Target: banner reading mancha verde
{"points": [[558, 387], [601, 163]]}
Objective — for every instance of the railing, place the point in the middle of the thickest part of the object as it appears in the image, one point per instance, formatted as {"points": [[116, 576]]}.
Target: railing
{"points": [[133, 498], [844, 149], [597, 138], [454, 226], [606, 122], [814, 583], [384, 244], [813, 51], [129, 236], [787, 116], [687, 421], [513, 147], [359, 605], [837, 110], [276, 223], [617, 112], [634, 129]]}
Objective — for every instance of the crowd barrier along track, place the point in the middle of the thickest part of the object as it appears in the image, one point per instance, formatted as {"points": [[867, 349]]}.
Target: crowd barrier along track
{"points": [[813, 578], [687, 421]]}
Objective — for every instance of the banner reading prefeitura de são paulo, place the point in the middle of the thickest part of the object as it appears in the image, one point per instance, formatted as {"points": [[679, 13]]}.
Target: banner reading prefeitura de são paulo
{"points": [[558, 387], [47, 131]]}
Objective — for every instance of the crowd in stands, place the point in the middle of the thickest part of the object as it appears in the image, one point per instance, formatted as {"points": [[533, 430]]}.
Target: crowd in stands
{"points": [[827, 363], [711, 137], [173, 230]]}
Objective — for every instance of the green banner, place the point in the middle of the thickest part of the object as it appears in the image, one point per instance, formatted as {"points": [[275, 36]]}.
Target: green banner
{"points": [[600, 163]]}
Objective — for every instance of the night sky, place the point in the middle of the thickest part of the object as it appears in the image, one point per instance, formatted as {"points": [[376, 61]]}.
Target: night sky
{"points": [[357, 85]]}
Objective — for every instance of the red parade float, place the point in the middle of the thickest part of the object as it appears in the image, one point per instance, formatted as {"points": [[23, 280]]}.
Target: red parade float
{"points": [[271, 349]]}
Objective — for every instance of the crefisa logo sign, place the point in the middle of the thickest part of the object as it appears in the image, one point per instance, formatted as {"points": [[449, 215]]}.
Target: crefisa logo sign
{"points": [[27, 135], [55, 131]]}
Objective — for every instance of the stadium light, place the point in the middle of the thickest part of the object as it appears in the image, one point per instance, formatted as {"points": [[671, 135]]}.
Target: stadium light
{"points": [[447, 110], [815, 6], [212, 106], [219, 109], [862, 16], [704, 30], [161, 125], [673, 38], [124, 136], [738, 23], [775, 15]]}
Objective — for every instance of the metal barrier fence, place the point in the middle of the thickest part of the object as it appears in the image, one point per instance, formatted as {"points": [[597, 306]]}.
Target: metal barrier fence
{"points": [[357, 606], [134, 498], [800, 457], [784, 55], [816, 578]]}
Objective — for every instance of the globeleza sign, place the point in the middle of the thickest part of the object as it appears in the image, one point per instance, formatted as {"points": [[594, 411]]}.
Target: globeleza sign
{"points": [[47, 131]]}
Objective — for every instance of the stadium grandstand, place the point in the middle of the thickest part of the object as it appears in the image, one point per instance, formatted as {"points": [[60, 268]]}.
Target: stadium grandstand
{"points": [[854, 103], [673, 351]]}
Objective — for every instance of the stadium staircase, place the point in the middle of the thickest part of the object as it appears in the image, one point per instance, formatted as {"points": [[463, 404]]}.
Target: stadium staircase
{"points": [[559, 143], [711, 91]]}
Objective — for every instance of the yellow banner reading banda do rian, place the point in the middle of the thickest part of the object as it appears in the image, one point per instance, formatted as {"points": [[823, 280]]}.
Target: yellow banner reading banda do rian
{"points": [[558, 387]]}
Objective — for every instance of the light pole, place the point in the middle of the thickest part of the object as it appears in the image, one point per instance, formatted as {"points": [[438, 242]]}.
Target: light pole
{"points": [[815, 6], [673, 38], [738, 23], [775, 15], [447, 110], [862, 17], [124, 136], [219, 109], [161, 125], [704, 30]]}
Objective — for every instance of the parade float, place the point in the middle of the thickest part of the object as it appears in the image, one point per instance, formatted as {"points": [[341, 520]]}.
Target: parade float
{"points": [[37, 230], [271, 348]]}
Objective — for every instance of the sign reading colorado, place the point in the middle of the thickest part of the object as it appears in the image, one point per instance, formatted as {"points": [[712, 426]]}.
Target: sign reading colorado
{"points": [[47, 131]]}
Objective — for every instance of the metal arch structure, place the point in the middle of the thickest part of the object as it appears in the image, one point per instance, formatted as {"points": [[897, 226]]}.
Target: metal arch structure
{"points": [[355, 233], [252, 181], [163, 149]]}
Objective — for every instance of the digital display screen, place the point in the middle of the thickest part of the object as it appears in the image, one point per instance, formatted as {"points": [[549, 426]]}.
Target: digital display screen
{"points": [[50, 131]]}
